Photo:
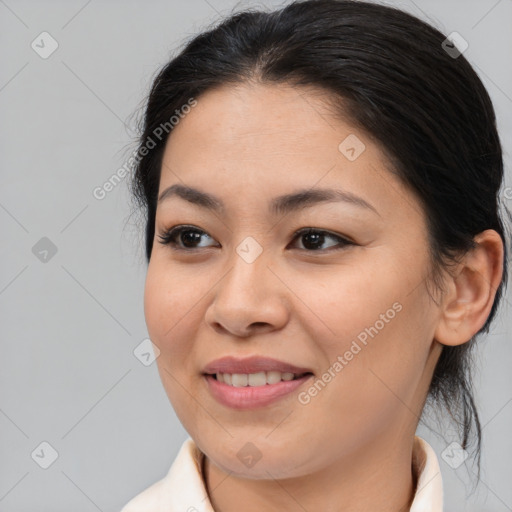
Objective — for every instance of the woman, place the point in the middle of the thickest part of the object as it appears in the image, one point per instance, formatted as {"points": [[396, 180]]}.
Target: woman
{"points": [[324, 243]]}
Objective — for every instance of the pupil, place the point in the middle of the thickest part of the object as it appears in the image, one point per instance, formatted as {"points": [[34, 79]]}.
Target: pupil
{"points": [[192, 237], [316, 238], [313, 240]]}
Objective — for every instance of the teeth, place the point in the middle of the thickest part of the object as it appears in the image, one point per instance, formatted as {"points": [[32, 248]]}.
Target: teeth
{"points": [[239, 380], [257, 379], [274, 377]]}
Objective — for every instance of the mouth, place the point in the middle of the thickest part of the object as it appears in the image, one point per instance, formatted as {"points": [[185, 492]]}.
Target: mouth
{"points": [[254, 365], [257, 379], [253, 382], [254, 390]]}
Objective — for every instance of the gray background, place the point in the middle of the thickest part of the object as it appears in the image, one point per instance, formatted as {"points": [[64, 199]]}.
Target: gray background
{"points": [[68, 374]]}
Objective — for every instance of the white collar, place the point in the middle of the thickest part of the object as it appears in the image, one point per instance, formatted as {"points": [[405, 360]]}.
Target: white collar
{"points": [[429, 487], [183, 490]]}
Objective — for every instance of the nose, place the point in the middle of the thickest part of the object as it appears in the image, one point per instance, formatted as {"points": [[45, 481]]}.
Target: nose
{"points": [[250, 298]]}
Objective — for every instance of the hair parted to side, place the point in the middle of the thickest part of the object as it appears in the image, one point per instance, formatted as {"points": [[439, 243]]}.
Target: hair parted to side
{"points": [[388, 74]]}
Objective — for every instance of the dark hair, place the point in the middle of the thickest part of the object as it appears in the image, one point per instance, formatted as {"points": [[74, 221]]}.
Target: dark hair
{"points": [[389, 74]]}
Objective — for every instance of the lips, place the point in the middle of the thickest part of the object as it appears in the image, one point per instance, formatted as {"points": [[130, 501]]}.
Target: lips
{"points": [[252, 364]]}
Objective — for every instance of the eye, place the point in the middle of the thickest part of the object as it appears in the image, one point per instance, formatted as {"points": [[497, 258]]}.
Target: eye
{"points": [[184, 237], [187, 235], [315, 238]]}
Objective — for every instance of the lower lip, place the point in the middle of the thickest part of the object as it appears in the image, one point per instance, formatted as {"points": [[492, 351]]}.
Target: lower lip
{"points": [[252, 397]]}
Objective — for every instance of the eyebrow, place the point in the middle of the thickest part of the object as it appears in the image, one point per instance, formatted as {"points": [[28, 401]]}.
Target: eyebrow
{"points": [[278, 206]]}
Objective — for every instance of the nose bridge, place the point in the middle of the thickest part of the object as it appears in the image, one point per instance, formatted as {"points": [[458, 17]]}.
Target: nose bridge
{"points": [[250, 250], [250, 289], [249, 296], [249, 265]]}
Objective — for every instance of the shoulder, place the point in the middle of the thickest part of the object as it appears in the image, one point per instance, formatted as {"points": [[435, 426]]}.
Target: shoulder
{"points": [[428, 494], [149, 499], [169, 493]]}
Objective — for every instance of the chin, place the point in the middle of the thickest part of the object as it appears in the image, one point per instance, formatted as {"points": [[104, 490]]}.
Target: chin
{"points": [[251, 463]]}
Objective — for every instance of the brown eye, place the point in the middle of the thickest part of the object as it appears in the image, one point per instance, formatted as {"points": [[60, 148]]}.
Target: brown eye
{"points": [[313, 239], [183, 237], [186, 238]]}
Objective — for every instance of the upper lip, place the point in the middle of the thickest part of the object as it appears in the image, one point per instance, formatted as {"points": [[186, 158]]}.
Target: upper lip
{"points": [[253, 364]]}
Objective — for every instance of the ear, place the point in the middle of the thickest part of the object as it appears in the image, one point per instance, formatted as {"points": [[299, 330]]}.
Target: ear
{"points": [[470, 295]]}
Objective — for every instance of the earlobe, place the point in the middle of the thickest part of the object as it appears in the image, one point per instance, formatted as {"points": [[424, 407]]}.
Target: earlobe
{"points": [[472, 291]]}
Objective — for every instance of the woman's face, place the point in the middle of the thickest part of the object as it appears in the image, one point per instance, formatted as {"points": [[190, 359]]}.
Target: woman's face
{"points": [[241, 282]]}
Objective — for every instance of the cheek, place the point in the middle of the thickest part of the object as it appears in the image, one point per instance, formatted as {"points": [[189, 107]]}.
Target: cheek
{"points": [[166, 302], [381, 330], [169, 320], [155, 304], [173, 313], [348, 300]]}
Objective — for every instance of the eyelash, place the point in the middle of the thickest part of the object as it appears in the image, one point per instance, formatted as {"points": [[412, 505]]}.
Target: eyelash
{"points": [[169, 236]]}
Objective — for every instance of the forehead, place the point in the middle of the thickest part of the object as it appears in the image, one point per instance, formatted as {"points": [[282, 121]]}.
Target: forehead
{"points": [[268, 140], [252, 128], [249, 118]]}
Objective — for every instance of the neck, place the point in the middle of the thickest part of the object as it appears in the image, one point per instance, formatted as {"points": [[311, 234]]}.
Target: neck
{"points": [[378, 477]]}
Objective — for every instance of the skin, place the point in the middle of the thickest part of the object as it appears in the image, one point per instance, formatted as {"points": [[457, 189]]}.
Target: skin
{"points": [[350, 447]]}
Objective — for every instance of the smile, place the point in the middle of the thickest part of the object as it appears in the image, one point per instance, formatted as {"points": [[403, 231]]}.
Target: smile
{"points": [[256, 379], [255, 390]]}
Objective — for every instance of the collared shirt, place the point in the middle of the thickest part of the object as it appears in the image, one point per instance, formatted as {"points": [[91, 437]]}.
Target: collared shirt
{"points": [[183, 488]]}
